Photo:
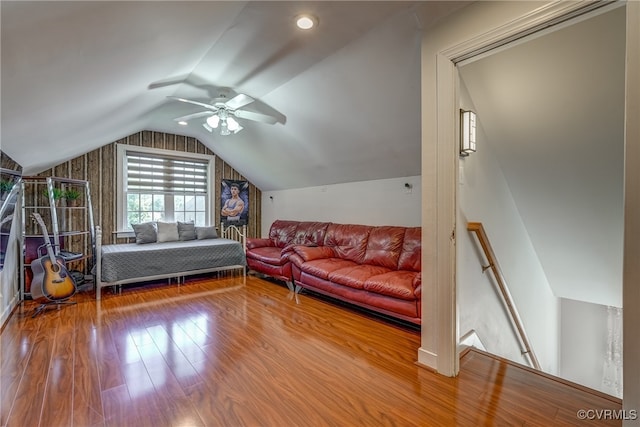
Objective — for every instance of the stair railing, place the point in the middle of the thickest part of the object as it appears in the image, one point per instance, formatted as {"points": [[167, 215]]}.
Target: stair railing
{"points": [[478, 229]]}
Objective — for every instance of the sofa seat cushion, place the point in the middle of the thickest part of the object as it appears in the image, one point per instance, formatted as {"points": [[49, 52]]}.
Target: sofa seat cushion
{"points": [[323, 267], [268, 254], [397, 284], [355, 276]]}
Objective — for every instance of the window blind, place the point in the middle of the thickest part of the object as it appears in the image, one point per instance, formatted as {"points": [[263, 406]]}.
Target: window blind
{"points": [[151, 173]]}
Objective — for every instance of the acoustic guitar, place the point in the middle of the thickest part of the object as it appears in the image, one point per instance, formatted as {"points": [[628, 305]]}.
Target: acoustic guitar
{"points": [[51, 281]]}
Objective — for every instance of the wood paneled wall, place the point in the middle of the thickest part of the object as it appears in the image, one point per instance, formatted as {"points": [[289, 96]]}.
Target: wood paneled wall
{"points": [[99, 168], [8, 163]]}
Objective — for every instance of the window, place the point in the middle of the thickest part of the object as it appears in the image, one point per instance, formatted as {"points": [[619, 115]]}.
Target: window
{"points": [[163, 185]]}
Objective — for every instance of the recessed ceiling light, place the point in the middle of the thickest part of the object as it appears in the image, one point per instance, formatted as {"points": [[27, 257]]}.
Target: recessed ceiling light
{"points": [[306, 22], [182, 123]]}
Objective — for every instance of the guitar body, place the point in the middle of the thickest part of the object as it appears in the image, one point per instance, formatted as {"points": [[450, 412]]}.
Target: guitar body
{"points": [[51, 281]]}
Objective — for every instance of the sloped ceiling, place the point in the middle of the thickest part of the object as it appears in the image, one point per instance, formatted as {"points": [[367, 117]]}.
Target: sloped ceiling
{"points": [[552, 109], [79, 75]]}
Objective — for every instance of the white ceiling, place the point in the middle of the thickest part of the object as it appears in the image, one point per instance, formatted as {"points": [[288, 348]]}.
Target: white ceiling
{"points": [[79, 75], [552, 109]]}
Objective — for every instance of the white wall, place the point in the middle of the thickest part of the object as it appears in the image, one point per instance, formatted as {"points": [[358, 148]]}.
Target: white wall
{"points": [[379, 202], [484, 196], [584, 341], [9, 277]]}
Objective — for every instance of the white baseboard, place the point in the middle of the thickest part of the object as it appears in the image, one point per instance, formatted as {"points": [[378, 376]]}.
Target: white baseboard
{"points": [[471, 339], [9, 308], [428, 359]]}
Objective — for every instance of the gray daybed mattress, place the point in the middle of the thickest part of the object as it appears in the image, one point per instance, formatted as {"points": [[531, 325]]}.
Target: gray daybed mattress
{"points": [[124, 263]]}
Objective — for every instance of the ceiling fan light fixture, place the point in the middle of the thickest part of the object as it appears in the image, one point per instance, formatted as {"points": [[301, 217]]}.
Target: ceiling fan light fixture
{"points": [[213, 121], [222, 115], [224, 129], [306, 22], [232, 124], [226, 124]]}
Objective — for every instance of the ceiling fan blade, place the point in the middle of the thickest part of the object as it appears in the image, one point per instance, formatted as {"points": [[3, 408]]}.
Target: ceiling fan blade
{"points": [[169, 82], [239, 101], [250, 115], [190, 101], [194, 116]]}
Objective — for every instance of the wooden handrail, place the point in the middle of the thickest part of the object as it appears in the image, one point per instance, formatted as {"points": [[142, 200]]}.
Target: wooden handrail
{"points": [[478, 229]]}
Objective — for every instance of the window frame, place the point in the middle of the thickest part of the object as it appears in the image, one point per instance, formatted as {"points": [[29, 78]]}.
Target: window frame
{"points": [[121, 181]]}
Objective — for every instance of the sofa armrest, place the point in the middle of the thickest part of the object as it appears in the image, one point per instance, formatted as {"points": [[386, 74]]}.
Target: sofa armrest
{"points": [[286, 252], [309, 253], [296, 259], [417, 281], [258, 243]]}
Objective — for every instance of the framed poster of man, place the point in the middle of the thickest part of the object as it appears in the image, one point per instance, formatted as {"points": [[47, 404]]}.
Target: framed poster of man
{"points": [[234, 202]]}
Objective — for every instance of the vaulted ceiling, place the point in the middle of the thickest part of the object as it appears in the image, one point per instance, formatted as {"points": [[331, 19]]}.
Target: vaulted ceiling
{"points": [[79, 75]]}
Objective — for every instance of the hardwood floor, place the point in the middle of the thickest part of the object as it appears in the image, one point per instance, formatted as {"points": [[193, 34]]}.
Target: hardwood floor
{"points": [[230, 352]]}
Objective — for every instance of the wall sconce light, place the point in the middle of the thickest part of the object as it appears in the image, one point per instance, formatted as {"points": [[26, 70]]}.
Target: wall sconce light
{"points": [[467, 132]]}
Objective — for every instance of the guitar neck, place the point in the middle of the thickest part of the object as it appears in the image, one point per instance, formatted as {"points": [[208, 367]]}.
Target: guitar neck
{"points": [[45, 234], [50, 251]]}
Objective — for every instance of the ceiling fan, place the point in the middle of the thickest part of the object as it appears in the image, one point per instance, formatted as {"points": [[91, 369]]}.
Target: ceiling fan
{"points": [[221, 113]]}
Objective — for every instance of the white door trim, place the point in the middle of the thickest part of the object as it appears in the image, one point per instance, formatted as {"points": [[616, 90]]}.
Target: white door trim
{"points": [[440, 123]]}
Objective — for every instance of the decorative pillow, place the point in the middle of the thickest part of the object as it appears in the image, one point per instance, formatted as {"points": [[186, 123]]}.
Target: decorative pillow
{"points": [[145, 232], [206, 232], [186, 230], [167, 231]]}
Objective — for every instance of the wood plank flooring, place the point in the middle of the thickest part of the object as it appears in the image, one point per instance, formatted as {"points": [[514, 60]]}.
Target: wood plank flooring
{"points": [[245, 352]]}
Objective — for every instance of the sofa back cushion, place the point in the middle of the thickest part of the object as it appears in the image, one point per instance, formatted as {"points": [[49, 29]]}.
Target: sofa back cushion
{"points": [[411, 255], [348, 240], [282, 232], [384, 246], [310, 233]]}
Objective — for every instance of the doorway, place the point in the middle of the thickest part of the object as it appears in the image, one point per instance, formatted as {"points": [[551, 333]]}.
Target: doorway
{"points": [[547, 183]]}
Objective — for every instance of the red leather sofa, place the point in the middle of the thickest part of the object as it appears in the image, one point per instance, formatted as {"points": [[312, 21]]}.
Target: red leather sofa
{"points": [[270, 256], [374, 267]]}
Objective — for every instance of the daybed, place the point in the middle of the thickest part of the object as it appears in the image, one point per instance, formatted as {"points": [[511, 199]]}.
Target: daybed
{"points": [[120, 264], [375, 267]]}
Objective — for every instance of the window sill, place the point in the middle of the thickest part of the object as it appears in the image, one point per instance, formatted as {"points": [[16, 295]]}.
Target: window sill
{"points": [[122, 234]]}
